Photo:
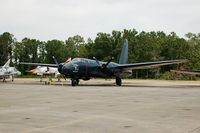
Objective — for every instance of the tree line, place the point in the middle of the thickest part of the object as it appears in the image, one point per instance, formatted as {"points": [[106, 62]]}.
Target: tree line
{"points": [[143, 46]]}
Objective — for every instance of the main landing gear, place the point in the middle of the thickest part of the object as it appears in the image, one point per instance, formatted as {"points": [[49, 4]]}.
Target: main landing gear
{"points": [[74, 82], [118, 81]]}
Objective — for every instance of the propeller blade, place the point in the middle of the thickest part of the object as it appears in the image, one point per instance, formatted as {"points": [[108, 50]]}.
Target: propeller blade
{"points": [[105, 65], [97, 61], [55, 60]]}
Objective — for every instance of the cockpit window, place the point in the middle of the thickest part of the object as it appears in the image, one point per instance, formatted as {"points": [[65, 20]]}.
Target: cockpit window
{"points": [[76, 59]]}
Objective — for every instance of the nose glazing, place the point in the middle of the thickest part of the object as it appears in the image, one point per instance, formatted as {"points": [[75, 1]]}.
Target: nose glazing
{"points": [[67, 69], [60, 66]]}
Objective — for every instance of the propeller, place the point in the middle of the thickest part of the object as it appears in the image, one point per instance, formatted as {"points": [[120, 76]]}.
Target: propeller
{"points": [[55, 60], [59, 65], [97, 61], [103, 66]]}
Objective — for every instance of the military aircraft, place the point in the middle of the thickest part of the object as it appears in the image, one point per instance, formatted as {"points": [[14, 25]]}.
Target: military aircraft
{"points": [[6, 71], [188, 72], [44, 71], [82, 68]]}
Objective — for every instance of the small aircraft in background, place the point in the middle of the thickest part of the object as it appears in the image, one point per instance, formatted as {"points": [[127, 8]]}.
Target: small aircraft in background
{"points": [[188, 72], [82, 68], [6, 71], [43, 71]]}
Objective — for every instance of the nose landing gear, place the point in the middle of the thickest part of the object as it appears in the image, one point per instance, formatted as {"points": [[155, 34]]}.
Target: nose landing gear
{"points": [[74, 82]]}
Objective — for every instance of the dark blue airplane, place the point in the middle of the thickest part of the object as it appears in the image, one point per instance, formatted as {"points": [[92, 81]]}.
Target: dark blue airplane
{"points": [[82, 68]]}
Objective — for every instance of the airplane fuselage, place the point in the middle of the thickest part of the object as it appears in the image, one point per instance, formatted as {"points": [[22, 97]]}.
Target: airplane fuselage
{"points": [[82, 68]]}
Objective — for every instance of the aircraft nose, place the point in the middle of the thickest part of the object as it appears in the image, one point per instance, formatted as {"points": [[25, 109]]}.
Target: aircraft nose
{"points": [[60, 67], [19, 73], [67, 69]]}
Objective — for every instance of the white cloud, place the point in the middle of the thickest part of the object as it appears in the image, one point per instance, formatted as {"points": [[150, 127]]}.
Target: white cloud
{"points": [[50, 19]]}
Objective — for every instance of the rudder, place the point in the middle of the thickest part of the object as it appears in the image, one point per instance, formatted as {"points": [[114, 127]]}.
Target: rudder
{"points": [[7, 64], [124, 53]]}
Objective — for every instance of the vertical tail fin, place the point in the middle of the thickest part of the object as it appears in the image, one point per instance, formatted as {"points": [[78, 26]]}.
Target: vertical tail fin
{"points": [[7, 64], [124, 53]]}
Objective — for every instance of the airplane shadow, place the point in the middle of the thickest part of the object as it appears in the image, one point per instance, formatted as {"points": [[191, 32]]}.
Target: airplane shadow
{"points": [[105, 85], [143, 86]]}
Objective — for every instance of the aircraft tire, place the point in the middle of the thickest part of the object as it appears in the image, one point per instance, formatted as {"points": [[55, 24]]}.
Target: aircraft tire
{"points": [[12, 78], [118, 81], [4, 79], [75, 82]]}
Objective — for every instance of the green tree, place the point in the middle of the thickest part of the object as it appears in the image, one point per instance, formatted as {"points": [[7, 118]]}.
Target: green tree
{"points": [[76, 47], [6, 43], [26, 51], [103, 47], [57, 49], [194, 51]]}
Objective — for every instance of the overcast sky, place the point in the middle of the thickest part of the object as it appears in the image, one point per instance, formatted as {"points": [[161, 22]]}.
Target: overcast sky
{"points": [[60, 19]]}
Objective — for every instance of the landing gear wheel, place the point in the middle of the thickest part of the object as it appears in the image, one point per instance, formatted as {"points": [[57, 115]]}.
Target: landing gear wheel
{"points": [[75, 82], [118, 81], [4, 79], [12, 78]]}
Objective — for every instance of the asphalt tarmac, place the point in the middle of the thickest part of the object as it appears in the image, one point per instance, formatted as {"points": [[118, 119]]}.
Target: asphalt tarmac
{"points": [[98, 106]]}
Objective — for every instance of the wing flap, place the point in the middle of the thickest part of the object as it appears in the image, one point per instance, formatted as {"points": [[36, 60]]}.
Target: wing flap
{"points": [[2, 75]]}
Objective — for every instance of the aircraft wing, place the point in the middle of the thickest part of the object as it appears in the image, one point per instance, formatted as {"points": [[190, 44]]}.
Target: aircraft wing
{"points": [[2, 75], [189, 72], [146, 65], [39, 64]]}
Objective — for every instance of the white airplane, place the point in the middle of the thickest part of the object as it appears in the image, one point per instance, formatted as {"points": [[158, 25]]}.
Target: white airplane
{"points": [[46, 71], [51, 72], [8, 72]]}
